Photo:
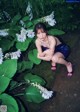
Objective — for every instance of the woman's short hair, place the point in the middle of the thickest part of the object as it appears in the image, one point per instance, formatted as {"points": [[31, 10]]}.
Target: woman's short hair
{"points": [[40, 25]]}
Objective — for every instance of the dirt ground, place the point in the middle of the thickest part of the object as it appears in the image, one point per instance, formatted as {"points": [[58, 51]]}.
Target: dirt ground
{"points": [[67, 88]]}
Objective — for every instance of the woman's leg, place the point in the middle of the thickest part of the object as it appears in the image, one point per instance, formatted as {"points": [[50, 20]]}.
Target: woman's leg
{"points": [[59, 58]]}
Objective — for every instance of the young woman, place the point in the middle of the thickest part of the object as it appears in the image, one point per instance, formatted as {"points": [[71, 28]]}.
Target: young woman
{"points": [[50, 48]]}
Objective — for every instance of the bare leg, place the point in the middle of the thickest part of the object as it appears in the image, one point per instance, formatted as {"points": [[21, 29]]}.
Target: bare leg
{"points": [[59, 58]]}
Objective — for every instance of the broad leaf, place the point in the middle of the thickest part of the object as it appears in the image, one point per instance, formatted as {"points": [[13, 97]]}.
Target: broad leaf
{"points": [[8, 68], [23, 45], [15, 19], [29, 24], [56, 32], [32, 94], [6, 44], [34, 79], [26, 18], [10, 102], [32, 55], [24, 65], [4, 82]]}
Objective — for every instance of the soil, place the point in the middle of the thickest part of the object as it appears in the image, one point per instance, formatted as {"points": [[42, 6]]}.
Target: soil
{"points": [[67, 88]]}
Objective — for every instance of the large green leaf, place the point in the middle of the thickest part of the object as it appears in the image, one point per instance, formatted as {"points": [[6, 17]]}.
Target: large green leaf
{"points": [[56, 32], [32, 55], [6, 44], [29, 24], [10, 102], [8, 68], [34, 79], [32, 94], [4, 82], [15, 19], [24, 65], [26, 18], [23, 45]]}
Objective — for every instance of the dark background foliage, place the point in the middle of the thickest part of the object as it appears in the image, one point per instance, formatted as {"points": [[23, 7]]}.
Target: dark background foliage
{"points": [[67, 14]]}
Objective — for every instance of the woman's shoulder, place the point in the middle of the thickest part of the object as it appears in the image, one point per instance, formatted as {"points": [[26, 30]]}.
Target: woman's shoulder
{"points": [[51, 37]]}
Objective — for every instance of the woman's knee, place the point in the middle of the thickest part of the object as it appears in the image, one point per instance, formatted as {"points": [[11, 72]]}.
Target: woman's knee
{"points": [[55, 58]]}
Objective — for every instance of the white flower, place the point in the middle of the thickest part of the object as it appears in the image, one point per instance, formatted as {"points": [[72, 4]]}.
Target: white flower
{"points": [[7, 55], [52, 22], [4, 32], [29, 10], [15, 55], [1, 56], [22, 23], [30, 16], [22, 36], [30, 33], [50, 19], [45, 93]]}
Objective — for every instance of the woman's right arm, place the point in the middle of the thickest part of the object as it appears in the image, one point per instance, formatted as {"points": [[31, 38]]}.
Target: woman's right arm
{"points": [[40, 53]]}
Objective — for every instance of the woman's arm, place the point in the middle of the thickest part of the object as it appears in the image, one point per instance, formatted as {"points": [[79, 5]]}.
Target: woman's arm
{"points": [[40, 53], [46, 57]]}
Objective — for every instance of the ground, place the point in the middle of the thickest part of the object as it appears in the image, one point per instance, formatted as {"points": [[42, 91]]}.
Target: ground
{"points": [[67, 88]]}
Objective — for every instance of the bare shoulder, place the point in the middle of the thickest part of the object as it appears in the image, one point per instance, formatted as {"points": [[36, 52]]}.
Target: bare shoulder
{"points": [[52, 38]]}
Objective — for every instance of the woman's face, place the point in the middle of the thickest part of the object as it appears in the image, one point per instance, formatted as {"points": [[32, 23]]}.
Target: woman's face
{"points": [[41, 34]]}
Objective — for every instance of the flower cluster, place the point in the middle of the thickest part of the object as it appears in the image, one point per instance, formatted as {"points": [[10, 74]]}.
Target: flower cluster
{"points": [[29, 10], [22, 36], [1, 56], [30, 33], [4, 32], [45, 93], [49, 19], [13, 55]]}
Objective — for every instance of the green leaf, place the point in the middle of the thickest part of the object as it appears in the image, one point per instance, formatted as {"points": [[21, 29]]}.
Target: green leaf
{"points": [[15, 19], [10, 102], [34, 79], [56, 32], [24, 65], [4, 82], [32, 94], [26, 18], [32, 55], [6, 44], [8, 68], [29, 24], [23, 45]]}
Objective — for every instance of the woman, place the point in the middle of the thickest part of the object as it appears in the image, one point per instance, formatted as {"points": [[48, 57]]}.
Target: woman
{"points": [[50, 48]]}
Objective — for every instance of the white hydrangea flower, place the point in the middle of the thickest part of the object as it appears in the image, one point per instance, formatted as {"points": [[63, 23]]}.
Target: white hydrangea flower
{"points": [[22, 36], [29, 10], [52, 22], [45, 93], [1, 56], [30, 33], [15, 55], [4, 32], [50, 19]]}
